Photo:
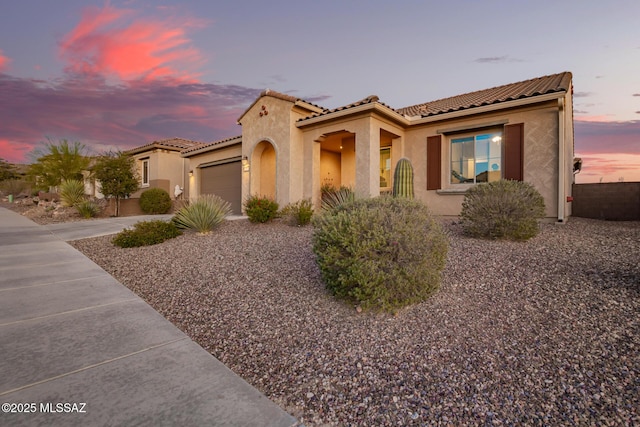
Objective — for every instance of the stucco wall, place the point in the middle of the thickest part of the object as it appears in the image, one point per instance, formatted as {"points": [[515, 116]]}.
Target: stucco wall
{"points": [[540, 155], [276, 128], [166, 170]]}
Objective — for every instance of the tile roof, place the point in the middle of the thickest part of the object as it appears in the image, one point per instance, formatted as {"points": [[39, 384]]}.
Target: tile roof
{"points": [[368, 100], [176, 144], [210, 144], [279, 95], [525, 89]]}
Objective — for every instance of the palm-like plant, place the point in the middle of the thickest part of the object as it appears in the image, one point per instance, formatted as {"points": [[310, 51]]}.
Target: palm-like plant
{"points": [[203, 214], [72, 192]]}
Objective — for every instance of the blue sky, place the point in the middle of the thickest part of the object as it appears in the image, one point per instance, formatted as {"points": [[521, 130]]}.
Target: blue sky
{"points": [[119, 74]]}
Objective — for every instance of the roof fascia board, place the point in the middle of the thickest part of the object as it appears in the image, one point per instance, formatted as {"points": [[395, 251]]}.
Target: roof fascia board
{"points": [[489, 108]]}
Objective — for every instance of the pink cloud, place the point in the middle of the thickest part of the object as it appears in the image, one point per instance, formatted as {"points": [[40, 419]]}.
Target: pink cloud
{"points": [[115, 42], [4, 61], [14, 151], [609, 167], [107, 116]]}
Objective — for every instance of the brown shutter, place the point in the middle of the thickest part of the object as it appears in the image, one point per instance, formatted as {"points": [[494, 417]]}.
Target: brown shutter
{"points": [[513, 151], [434, 162]]}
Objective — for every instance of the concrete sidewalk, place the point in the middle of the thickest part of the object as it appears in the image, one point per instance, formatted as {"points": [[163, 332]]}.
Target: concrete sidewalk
{"points": [[79, 348]]}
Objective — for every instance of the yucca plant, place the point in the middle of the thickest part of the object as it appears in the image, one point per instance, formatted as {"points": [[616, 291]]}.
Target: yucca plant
{"points": [[87, 209], [333, 199], [403, 179], [202, 214], [72, 192]]}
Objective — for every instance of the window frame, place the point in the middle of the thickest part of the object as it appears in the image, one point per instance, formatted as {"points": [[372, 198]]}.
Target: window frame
{"points": [[383, 169], [144, 175], [473, 133]]}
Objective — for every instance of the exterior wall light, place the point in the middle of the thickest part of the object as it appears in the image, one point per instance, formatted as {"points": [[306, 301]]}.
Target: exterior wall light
{"points": [[191, 173], [245, 164]]}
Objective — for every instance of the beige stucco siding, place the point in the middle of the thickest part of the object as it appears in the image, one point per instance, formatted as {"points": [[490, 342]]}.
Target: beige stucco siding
{"points": [[540, 163], [166, 170]]}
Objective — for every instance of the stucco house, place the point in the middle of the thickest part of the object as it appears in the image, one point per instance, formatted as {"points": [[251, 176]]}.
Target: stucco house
{"points": [[290, 148], [160, 164]]}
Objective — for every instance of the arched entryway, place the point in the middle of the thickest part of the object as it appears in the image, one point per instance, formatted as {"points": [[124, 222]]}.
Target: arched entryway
{"points": [[264, 170]]}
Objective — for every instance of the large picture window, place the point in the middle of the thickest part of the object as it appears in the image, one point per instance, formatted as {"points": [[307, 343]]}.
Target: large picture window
{"points": [[476, 158]]}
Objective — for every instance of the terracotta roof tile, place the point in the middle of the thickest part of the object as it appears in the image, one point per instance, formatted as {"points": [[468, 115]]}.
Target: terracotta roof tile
{"points": [[210, 144], [368, 100], [177, 144], [525, 89]]}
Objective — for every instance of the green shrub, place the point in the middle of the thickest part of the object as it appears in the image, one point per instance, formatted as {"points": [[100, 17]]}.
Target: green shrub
{"points": [[87, 209], [381, 253], [332, 199], [71, 192], [299, 212], [202, 214], [155, 201], [146, 233], [502, 209], [260, 208]]}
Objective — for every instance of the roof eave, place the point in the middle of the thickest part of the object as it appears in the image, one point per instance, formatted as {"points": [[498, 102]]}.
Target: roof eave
{"points": [[374, 106], [416, 120], [213, 147], [151, 147]]}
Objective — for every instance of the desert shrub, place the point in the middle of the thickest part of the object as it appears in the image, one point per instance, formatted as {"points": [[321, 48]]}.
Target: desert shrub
{"points": [[155, 201], [260, 208], [146, 233], [14, 186], [331, 199], [71, 192], [202, 214], [502, 209], [382, 253], [300, 213], [88, 208]]}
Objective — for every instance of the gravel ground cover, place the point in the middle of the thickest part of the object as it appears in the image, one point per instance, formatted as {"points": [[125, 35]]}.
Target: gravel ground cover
{"points": [[538, 333]]}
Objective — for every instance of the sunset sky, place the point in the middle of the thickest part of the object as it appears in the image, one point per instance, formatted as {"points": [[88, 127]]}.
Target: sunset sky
{"points": [[122, 73]]}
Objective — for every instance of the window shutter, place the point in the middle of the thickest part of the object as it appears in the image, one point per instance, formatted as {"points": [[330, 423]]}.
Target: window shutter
{"points": [[434, 162], [514, 151]]}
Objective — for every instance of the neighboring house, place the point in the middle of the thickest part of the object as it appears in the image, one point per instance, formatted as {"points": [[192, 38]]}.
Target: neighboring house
{"points": [[290, 148], [160, 165]]}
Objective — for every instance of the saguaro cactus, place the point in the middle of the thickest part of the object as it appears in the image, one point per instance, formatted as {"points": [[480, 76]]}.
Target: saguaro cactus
{"points": [[403, 179]]}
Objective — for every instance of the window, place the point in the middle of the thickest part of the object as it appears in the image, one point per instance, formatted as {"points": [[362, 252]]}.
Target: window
{"points": [[476, 158], [385, 167], [145, 173]]}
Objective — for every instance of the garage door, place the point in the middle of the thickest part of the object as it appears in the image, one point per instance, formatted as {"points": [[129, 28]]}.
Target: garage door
{"points": [[224, 180]]}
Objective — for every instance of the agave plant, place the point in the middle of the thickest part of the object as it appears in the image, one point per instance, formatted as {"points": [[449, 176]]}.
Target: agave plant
{"points": [[333, 199], [202, 214], [72, 192]]}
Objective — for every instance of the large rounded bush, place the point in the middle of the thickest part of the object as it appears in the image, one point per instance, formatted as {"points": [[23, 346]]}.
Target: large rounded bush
{"points": [[502, 209], [382, 253], [155, 201]]}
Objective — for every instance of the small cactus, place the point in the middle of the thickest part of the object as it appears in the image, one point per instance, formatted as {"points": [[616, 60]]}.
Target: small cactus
{"points": [[403, 179]]}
